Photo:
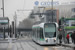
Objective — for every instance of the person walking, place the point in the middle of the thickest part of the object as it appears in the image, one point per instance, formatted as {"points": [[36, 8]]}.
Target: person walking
{"points": [[74, 36], [60, 38], [68, 38]]}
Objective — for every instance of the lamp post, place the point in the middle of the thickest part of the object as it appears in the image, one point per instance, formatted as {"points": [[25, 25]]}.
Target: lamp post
{"points": [[3, 7], [15, 21], [52, 10], [3, 16]]}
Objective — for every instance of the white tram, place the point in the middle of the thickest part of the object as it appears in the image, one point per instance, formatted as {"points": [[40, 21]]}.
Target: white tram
{"points": [[45, 33]]}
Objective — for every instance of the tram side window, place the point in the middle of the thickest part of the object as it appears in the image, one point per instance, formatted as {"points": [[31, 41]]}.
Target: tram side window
{"points": [[38, 32], [41, 33], [33, 32]]}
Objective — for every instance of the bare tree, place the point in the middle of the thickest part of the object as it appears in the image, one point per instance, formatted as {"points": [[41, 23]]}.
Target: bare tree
{"points": [[26, 23]]}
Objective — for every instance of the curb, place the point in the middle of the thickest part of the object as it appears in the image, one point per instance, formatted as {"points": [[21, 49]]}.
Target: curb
{"points": [[7, 42], [68, 46]]}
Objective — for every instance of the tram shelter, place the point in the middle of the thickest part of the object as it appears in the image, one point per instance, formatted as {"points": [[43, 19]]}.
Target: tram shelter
{"points": [[4, 24]]}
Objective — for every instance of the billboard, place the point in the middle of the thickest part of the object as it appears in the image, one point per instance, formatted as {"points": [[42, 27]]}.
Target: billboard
{"points": [[55, 2]]}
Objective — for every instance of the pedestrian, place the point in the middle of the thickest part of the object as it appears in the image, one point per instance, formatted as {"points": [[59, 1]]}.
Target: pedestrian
{"points": [[67, 37], [60, 38], [17, 35], [74, 36]]}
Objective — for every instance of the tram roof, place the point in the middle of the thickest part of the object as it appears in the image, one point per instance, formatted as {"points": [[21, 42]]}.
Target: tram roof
{"points": [[38, 25], [41, 25]]}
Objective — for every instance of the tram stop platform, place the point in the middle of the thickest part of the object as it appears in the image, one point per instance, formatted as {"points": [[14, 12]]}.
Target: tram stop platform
{"points": [[71, 45], [7, 40]]}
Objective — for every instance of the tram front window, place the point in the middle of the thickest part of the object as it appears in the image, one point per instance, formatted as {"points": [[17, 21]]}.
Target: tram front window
{"points": [[50, 34], [50, 30]]}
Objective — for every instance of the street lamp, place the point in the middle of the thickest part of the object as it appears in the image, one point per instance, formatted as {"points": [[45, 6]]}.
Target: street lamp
{"points": [[15, 21], [52, 10], [3, 16], [3, 7]]}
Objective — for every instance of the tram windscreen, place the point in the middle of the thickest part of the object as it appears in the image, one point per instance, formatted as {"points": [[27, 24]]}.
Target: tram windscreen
{"points": [[50, 30]]}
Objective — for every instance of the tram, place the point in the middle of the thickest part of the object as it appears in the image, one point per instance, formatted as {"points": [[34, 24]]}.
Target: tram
{"points": [[45, 33]]}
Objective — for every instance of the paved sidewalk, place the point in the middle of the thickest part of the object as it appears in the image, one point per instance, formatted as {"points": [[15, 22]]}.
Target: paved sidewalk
{"points": [[3, 46], [6, 40], [71, 45], [7, 43]]}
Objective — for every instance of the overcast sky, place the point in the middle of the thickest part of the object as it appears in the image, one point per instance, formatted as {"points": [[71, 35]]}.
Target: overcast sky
{"points": [[13, 5]]}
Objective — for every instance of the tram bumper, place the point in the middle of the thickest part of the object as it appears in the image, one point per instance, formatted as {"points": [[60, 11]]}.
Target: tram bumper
{"points": [[50, 41]]}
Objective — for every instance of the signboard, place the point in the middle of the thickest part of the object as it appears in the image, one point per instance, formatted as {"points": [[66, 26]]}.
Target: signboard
{"points": [[55, 2], [70, 23], [3, 21]]}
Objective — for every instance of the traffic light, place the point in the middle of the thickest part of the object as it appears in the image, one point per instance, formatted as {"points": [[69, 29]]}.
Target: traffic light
{"points": [[59, 22]]}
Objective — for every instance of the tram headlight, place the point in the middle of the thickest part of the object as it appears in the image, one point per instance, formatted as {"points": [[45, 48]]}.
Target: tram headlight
{"points": [[45, 38], [54, 38]]}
